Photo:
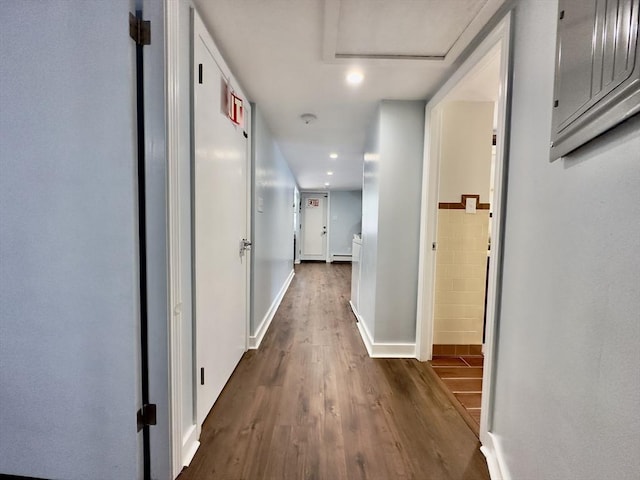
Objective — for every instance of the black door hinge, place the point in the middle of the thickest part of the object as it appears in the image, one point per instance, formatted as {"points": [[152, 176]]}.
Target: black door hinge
{"points": [[139, 30], [147, 415], [199, 73], [202, 376]]}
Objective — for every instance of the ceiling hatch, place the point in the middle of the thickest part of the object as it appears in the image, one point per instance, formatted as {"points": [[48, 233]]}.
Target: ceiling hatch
{"points": [[423, 30]]}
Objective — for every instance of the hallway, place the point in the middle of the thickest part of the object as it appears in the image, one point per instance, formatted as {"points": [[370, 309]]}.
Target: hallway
{"points": [[311, 404]]}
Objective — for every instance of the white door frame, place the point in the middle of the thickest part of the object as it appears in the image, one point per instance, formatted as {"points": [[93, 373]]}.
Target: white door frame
{"points": [[183, 444], [500, 35], [326, 221]]}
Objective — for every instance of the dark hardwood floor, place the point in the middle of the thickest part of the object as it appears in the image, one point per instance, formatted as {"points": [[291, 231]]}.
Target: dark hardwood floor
{"points": [[311, 404]]}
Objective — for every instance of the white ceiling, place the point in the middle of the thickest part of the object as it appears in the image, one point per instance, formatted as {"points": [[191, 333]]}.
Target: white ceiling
{"points": [[291, 57], [482, 83]]}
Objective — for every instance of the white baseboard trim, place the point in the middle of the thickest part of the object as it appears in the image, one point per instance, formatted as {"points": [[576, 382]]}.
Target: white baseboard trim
{"points": [[255, 340], [495, 460], [190, 445], [382, 350]]}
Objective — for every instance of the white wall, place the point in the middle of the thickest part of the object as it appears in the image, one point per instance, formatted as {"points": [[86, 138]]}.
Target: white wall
{"points": [[465, 168], [272, 232], [391, 222], [345, 221], [69, 302], [567, 385]]}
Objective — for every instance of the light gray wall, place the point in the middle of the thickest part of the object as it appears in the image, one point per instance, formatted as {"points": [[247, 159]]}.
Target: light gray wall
{"points": [[345, 221], [391, 222], [567, 383], [369, 249], [69, 303], [296, 223], [272, 232], [401, 154]]}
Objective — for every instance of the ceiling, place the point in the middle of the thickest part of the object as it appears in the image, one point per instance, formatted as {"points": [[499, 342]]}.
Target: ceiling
{"points": [[292, 56]]}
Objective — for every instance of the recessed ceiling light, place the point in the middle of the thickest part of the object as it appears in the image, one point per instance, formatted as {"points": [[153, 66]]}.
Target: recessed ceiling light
{"points": [[355, 78], [326, 184], [333, 155], [329, 172]]}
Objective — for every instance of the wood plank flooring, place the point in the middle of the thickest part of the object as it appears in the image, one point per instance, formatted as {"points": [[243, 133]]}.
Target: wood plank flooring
{"points": [[311, 404]]}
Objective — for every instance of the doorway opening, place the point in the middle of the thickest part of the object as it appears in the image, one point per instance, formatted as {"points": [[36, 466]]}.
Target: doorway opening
{"points": [[464, 177], [463, 238]]}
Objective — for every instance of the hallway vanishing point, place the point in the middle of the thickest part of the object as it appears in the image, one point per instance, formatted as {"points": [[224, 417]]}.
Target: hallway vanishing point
{"points": [[311, 404]]}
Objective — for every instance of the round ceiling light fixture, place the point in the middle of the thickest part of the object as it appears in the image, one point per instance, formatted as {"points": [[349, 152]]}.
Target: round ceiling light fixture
{"points": [[355, 77], [308, 118], [333, 155]]}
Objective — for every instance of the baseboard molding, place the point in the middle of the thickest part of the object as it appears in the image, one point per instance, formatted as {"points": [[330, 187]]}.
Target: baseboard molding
{"points": [[495, 460], [382, 350], [255, 340], [190, 445]]}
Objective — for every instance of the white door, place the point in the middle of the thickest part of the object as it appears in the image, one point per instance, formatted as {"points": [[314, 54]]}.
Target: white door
{"points": [[220, 224], [69, 242], [314, 227]]}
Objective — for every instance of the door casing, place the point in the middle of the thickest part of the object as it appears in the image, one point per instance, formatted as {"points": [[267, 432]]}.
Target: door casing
{"points": [[499, 36]]}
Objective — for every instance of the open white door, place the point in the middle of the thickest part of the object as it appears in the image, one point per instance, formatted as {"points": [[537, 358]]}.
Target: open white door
{"points": [[70, 250], [314, 226], [220, 225]]}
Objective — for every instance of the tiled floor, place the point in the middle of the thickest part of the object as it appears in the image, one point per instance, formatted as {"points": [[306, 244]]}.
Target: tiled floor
{"points": [[462, 376]]}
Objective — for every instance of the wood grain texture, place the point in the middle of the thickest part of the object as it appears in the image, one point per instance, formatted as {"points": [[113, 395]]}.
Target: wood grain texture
{"points": [[311, 404]]}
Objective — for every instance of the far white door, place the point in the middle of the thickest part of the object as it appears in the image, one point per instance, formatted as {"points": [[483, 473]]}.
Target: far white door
{"points": [[314, 227], [220, 224]]}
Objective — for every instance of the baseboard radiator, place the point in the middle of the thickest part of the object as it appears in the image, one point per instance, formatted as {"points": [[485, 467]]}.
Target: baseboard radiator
{"points": [[341, 257]]}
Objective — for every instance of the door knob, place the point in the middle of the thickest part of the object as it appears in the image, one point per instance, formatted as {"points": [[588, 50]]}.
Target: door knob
{"points": [[244, 245]]}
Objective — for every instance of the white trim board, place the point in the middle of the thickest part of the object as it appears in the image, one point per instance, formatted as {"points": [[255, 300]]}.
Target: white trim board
{"points": [[382, 350], [255, 340], [190, 445], [495, 460]]}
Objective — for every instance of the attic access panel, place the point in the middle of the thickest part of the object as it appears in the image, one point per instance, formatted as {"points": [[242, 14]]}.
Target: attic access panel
{"points": [[597, 81], [402, 28], [383, 32]]}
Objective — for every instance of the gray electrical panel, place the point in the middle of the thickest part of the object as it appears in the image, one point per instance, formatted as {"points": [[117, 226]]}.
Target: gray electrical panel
{"points": [[597, 82]]}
